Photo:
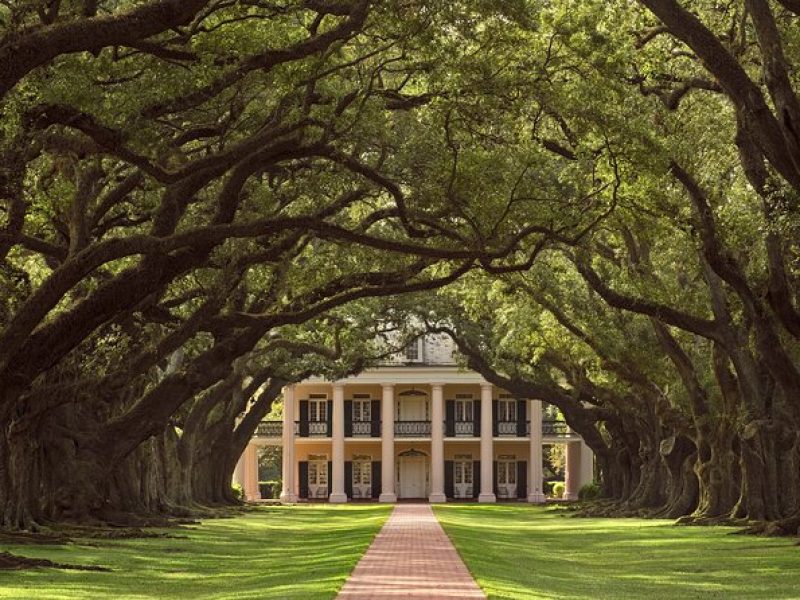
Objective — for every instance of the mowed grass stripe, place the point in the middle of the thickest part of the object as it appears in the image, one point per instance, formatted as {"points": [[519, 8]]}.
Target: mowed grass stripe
{"points": [[517, 551], [302, 552]]}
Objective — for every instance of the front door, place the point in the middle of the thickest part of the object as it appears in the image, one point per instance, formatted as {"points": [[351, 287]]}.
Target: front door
{"points": [[462, 478], [412, 477], [317, 478], [507, 478], [362, 478]]}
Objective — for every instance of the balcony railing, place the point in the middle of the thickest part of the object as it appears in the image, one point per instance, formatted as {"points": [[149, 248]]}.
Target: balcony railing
{"points": [[552, 427], [466, 428], [274, 429], [506, 428], [412, 428], [362, 428], [318, 428], [270, 429]]}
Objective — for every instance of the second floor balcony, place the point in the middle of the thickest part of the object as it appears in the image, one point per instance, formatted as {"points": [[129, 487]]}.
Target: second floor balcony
{"points": [[551, 427], [407, 429], [413, 429]]}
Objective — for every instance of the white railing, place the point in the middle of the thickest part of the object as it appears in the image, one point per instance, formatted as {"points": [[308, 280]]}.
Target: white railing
{"points": [[319, 428], [412, 428], [270, 429], [465, 428], [507, 428], [362, 428]]}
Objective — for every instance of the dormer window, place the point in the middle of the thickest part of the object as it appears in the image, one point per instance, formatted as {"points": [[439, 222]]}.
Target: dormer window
{"points": [[413, 351]]}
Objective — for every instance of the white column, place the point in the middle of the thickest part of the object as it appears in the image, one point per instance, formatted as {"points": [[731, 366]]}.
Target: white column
{"points": [[238, 472], [337, 481], [288, 477], [437, 444], [250, 487], [587, 465], [487, 446], [572, 471], [387, 445], [535, 475]]}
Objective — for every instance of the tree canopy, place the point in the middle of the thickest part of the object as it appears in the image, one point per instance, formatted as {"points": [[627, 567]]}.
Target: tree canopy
{"points": [[204, 200]]}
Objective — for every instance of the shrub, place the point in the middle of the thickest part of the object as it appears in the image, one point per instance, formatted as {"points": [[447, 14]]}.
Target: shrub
{"points": [[589, 491], [558, 489], [270, 489], [238, 493]]}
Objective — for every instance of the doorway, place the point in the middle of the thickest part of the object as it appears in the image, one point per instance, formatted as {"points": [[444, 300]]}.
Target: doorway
{"points": [[412, 474], [462, 476], [507, 477], [362, 477]]}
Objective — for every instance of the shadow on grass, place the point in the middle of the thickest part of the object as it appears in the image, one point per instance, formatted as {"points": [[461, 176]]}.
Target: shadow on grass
{"points": [[276, 552], [518, 551]]}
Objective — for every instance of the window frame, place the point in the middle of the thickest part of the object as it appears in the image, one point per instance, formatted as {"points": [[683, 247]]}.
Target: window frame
{"points": [[507, 407]]}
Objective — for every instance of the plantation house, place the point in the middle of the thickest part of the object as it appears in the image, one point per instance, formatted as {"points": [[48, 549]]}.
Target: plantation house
{"points": [[415, 427]]}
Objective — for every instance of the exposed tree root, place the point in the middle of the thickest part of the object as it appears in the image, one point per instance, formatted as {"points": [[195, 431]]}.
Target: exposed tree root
{"points": [[28, 537], [10, 561], [722, 520], [787, 527], [118, 533], [781, 528]]}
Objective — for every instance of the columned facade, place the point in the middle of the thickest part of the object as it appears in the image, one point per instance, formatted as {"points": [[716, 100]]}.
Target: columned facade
{"points": [[535, 476], [337, 478], [288, 486], [437, 443], [573, 466], [387, 444], [412, 432], [487, 450], [250, 473]]}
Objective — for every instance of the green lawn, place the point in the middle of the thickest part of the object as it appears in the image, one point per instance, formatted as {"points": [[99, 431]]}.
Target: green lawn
{"points": [[302, 552], [518, 551]]}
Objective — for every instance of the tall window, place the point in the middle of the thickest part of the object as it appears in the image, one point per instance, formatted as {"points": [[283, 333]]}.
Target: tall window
{"points": [[318, 475], [507, 410], [464, 409], [362, 471], [362, 410], [317, 410], [507, 471]]}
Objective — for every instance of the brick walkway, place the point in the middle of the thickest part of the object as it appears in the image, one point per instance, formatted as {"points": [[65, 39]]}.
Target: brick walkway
{"points": [[411, 557]]}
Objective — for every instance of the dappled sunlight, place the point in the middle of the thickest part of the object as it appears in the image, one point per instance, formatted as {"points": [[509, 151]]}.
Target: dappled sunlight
{"points": [[534, 552], [276, 552]]}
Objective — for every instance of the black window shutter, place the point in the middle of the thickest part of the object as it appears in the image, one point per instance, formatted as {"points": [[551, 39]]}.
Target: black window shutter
{"points": [[329, 424], [476, 478], [348, 478], [521, 418], [377, 484], [330, 477], [495, 487], [303, 418], [449, 480], [450, 418], [348, 418], [303, 479], [375, 426], [476, 419], [495, 411], [522, 479]]}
